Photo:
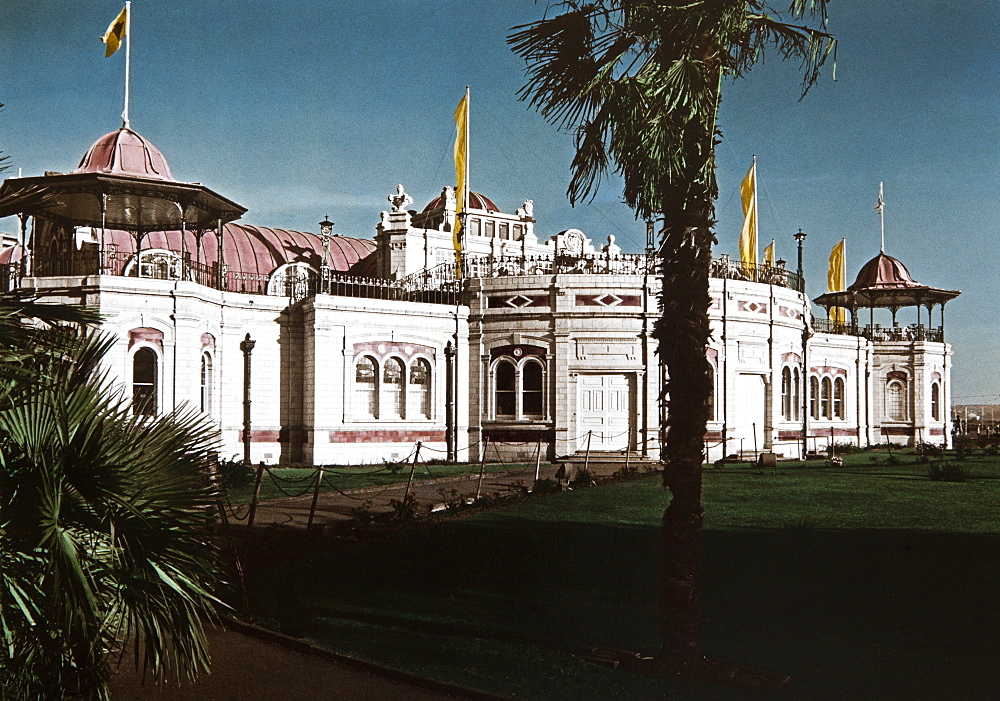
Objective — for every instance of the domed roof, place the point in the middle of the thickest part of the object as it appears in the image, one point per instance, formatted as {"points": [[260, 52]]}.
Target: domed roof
{"points": [[251, 251], [124, 152], [883, 272], [476, 201]]}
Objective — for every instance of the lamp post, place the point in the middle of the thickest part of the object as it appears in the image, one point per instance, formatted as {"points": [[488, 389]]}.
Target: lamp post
{"points": [[800, 237], [246, 345], [326, 231], [449, 400]]}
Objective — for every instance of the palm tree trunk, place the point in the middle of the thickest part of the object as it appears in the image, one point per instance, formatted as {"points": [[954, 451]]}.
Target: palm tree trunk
{"points": [[682, 334]]}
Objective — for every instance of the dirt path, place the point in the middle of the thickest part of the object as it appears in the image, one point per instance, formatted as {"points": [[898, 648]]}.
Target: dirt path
{"points": [[247, 667]]}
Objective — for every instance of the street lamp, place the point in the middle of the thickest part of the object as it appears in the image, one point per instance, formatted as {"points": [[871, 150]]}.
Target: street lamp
{"points": [[246, 345], [799, 238]]}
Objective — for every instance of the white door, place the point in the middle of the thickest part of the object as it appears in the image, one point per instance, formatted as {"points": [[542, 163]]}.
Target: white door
{"points": [[605, 412], [748, 423]]}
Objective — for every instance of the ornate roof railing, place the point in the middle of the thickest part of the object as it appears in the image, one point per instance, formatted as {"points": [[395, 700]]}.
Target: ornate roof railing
{"points": [[913, 332], [597, 264]]}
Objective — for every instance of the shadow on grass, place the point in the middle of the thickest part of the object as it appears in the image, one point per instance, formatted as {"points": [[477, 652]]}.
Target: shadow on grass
{"points": [[506, 604]]}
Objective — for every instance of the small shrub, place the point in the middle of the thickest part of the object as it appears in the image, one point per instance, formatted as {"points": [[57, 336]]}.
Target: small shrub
{"points": [[893, 459], [545, 486], [405, 509], [846, 448], [947, 472], [235, 475], [583, 478], [363, 513]]}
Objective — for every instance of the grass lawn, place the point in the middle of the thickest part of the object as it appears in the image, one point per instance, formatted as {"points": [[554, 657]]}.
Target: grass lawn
{"points": [[861, 582], [281, 482]]}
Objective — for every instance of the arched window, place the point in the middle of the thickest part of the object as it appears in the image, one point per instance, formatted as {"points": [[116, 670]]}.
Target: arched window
{"points": [[710, 402], [505, 390], [206, 383], [814, 397], [392, 386], [144, 382], [825, 396], [531, 390], [420, 388], [786, 393], [366, 387], [838, 398], [895, 400], [796, 395], [935, 401]]}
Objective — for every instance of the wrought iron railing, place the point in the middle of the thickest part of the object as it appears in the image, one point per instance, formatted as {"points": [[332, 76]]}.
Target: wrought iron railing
{"points": [[726, 268], [913, 332]]}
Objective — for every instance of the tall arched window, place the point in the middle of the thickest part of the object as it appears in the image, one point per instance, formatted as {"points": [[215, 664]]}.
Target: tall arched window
{"points": [[935, 401], [366, 387], [825, 397], [392, 386], [710, 401], [420, 388], [786, 393], [796, 395], [206, 383], [144, 382], [838, 398], [531, 390], [895, 400], [505, 390], [814, 397]]}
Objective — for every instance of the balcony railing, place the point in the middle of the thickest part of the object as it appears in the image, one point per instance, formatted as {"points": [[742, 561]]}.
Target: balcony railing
{"points": [[913, 332], [599, 264]]}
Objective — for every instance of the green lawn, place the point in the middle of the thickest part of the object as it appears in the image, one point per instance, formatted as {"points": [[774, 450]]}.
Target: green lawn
{"points": [[281, 482], [860, 582]]}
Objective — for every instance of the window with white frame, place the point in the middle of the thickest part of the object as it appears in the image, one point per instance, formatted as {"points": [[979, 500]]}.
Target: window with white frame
{"points": [[786, 393], [393, 382], [519, 388], [420, 389], [710, 401], [826, 398], [366, 387], [814, 397], [936, 401], [206, 384], [839, 391], [505, 389], [895, 400], [145, 379]]}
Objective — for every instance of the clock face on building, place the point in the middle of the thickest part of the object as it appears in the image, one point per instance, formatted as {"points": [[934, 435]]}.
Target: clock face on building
{"points": [[573, 243]]}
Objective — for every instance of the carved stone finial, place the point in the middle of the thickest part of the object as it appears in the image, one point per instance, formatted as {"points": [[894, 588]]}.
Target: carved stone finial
{"points": [[400, 201], [448, 197], [611, 248], [526, 210]]}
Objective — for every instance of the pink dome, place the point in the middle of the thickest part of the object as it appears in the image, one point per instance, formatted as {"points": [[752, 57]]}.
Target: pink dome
{"points": [[476, 201], [881, 272], [124, 152]]}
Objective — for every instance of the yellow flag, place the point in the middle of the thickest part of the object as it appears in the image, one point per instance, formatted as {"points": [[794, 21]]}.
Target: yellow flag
{"points": [[461, 173], [836, 279], [116, 32], [748, 236], [769, 254]]}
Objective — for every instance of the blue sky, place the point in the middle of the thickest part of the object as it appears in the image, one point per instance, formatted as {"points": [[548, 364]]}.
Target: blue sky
{"points": [[298, 109]]}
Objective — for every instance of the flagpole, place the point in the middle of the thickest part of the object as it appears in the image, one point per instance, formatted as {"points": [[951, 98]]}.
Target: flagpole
{"points": [[128, 57], [881, 216], [468, 150]]}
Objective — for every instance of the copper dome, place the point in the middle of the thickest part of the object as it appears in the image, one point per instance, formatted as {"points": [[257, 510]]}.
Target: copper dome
{"points": [[124, 152], [476, 201]]}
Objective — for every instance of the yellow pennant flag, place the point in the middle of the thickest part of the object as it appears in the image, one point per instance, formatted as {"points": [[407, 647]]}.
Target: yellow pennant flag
{"points": [[769, 254], [836, 279], [748, 236], [116, 32], [461, 173]]}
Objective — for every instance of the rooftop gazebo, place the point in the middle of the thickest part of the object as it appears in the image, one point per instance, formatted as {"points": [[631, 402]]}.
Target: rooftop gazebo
{"points": [[123, 182], [885, 283]]}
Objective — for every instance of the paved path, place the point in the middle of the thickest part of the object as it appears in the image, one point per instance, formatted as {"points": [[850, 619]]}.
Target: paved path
{"points": [[336, 507]]}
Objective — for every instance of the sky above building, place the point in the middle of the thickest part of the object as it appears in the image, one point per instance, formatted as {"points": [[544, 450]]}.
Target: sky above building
{"points": [[301, 109]]}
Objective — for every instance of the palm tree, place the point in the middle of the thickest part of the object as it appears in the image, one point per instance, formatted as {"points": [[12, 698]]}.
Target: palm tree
{"points": [[104, 518], [639, 83]]}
